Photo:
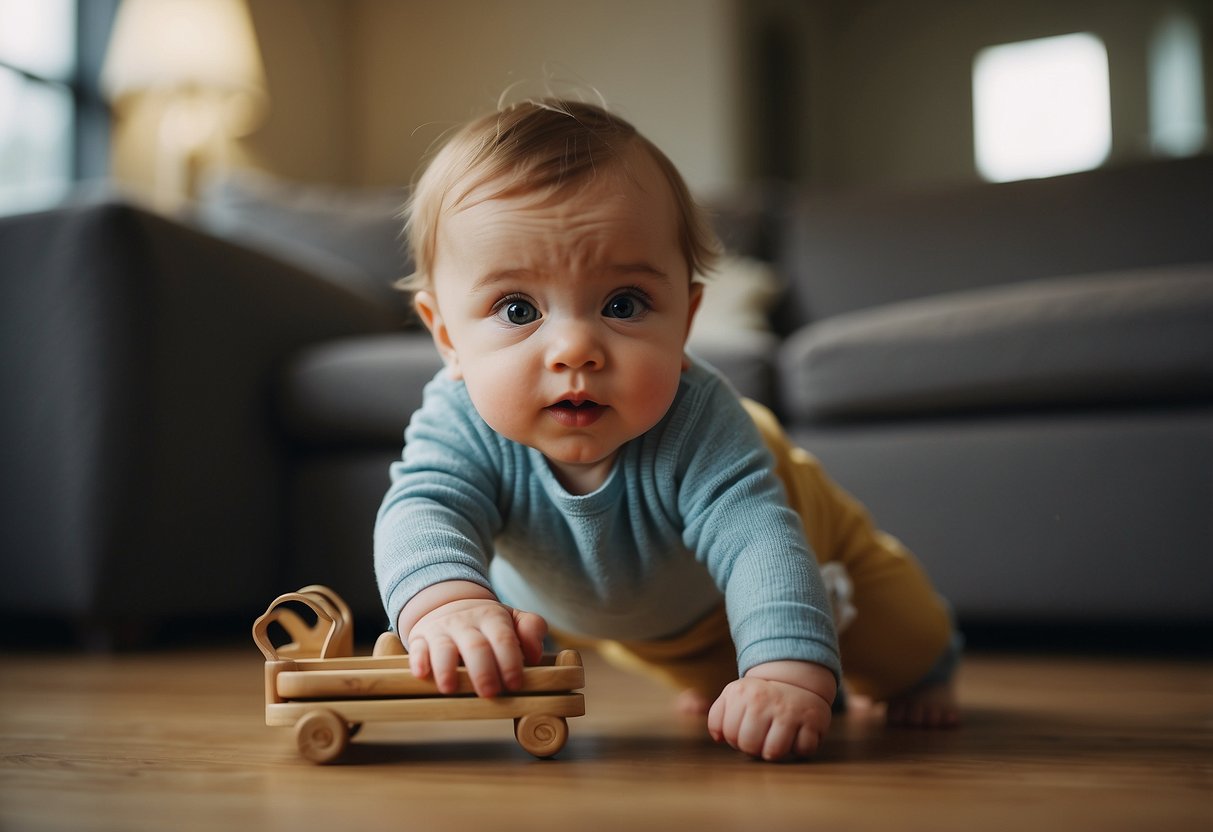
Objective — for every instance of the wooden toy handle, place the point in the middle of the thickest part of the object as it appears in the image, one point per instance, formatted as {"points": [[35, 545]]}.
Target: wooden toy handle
{"points": [[328, 607]]}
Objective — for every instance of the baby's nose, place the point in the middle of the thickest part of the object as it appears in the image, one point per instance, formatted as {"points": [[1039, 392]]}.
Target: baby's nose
{"points": [[574, 345]]}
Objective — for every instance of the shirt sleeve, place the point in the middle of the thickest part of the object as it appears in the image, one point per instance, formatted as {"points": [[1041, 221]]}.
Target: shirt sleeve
{"points": [[440, 514], [738, 523]]}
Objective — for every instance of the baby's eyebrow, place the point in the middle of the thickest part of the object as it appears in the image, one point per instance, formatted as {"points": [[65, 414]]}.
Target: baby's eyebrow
{"points": [[499, 276], [640, 268]]}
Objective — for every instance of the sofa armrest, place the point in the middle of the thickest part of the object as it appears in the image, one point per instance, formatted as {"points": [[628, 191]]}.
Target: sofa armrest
{"points": [[142, 473]]}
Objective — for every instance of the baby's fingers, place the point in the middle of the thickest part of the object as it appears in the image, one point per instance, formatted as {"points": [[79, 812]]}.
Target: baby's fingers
{"points": [[753, 731], [530, 629], [780, 740], [419, 657], [728, 718], [507, 654], [787, 739], [481, 662], [807, 741], [444, 662], [716, 719]]}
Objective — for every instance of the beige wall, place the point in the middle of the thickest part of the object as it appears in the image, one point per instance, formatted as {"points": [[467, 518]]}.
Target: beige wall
{"points": [[891, 81], [669, 66], [867, 92], [362, 88], [306, 47]]}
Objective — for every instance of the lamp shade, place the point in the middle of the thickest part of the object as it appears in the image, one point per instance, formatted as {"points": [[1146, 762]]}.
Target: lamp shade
{"points": [[185, 46]]}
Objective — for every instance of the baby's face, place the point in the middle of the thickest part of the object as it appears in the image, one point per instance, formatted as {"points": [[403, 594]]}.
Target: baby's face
{"points": [[566, 318]]}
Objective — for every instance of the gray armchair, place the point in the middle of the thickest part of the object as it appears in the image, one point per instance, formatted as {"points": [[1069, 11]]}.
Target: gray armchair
{"points": [[144, 474]]}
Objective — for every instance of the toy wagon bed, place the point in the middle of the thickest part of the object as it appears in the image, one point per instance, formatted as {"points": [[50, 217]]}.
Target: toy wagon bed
{"points": [[316, 684]]}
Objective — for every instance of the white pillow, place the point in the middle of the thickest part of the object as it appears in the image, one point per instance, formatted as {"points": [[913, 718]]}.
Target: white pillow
{"points": [[737, 301]]}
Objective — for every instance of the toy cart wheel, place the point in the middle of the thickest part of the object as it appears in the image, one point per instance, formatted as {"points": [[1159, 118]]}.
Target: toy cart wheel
{"points": [[321, 736], [541, 734]]}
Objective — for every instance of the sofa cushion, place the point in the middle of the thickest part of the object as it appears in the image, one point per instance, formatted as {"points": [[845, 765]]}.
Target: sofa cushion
{"points": [[351, 236], [1118, 338], [847, 251], [356, 391]]}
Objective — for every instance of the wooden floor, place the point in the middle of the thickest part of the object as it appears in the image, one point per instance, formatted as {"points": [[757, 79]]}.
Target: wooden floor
{"points": [[177, 741]]}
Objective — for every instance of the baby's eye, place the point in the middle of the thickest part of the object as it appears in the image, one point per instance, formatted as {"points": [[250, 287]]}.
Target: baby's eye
{"points": [[518, 312], [624, 305]]}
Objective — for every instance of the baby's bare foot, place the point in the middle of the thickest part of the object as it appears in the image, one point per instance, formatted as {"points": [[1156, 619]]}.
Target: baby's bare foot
{"points": [[692, 703], [931, 707]]}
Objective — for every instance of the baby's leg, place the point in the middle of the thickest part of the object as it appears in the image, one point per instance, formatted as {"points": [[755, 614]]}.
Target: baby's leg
{"points": [[699, 663], [930, 707], [932, 703], [901, 647], [902, 630]]}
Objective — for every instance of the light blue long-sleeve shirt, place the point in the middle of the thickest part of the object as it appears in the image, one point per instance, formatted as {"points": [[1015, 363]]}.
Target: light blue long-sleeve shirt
{"points": [[691, 511]]}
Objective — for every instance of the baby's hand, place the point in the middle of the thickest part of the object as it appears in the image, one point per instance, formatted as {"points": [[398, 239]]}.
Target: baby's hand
{"points": [[770, 719], [494, 641]]}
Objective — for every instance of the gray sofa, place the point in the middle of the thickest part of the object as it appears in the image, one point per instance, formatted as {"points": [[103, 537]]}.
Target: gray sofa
{"points": [[1017, 379]]}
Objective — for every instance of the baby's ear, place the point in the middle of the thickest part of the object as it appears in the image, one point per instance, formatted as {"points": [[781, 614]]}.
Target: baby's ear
{"points": [[696, 298], [427, 309]]}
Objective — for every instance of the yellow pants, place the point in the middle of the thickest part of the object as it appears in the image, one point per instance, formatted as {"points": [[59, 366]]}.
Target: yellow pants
{"points": [[902, 627]]}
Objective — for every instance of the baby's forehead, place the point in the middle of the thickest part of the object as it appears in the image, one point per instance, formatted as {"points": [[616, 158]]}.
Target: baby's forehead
{"points": [[618, 201], [638, 182], [596, 229]]}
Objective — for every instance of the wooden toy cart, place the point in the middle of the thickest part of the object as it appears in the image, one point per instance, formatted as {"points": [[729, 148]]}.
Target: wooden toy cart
{"points": [[316, 684]]}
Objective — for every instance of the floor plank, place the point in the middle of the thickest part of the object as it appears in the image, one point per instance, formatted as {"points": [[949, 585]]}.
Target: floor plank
{"points": [[177, 741]]}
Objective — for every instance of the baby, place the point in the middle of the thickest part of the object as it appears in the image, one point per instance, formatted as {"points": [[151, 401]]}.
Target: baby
{"points": [[572, 466]]}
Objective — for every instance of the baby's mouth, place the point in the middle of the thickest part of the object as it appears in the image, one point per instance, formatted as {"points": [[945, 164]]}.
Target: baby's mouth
{"points": [[576, 414]]}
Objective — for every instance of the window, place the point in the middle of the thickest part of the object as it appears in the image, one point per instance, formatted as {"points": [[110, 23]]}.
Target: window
{"points": [[37, 62], [1177, 92], [1041, 107], [53, 126]]}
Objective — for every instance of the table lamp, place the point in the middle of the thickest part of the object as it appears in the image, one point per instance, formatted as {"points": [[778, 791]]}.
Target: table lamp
{"points": [[198, 62]]}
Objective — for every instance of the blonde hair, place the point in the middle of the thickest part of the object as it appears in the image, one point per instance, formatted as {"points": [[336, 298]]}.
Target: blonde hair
{"points": [[538, 146]]}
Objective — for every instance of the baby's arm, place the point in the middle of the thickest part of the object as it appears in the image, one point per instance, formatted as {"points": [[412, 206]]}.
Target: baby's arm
{"points": [[457, 619], [779, 709]]}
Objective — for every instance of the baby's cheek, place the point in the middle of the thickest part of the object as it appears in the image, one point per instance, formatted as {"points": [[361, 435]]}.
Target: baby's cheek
{"points": [[495, 398], [657, 388]]}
